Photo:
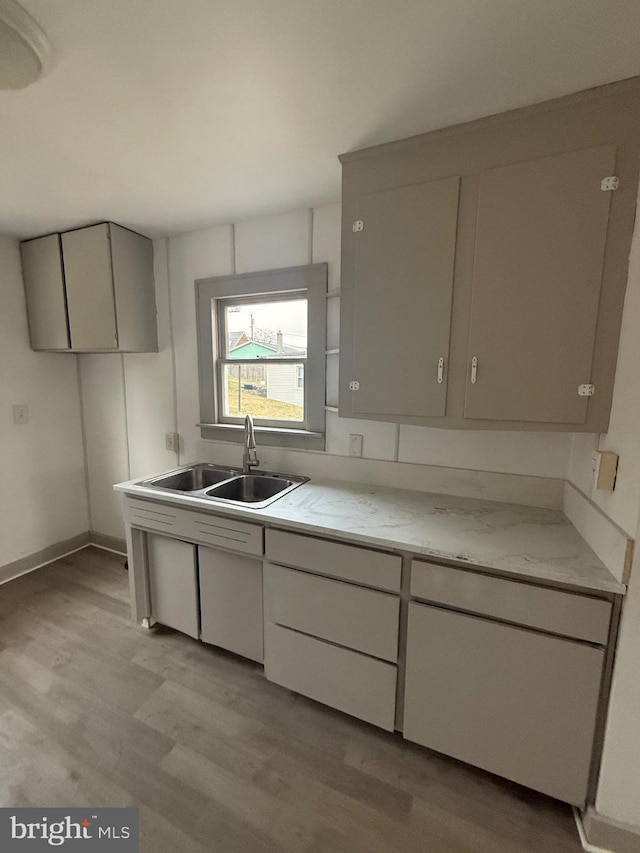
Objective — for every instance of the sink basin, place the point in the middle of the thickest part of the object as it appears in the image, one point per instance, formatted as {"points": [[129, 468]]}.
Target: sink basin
{"points": [[251, 488], [193, 479], [227, 485]]}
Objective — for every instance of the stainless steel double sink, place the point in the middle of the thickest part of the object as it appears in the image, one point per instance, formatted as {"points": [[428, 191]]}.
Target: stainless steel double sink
{"points": [[227, 484]]}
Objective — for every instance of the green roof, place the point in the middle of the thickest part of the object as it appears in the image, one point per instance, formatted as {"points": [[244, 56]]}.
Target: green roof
{"points": [[252, 349]]}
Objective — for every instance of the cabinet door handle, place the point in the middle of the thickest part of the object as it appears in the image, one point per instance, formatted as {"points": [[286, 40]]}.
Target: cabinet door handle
{"points": [[440, 370], [474, 370]]}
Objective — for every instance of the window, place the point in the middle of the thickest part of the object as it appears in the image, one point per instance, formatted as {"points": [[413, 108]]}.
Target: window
{"points": [[261, 342]]}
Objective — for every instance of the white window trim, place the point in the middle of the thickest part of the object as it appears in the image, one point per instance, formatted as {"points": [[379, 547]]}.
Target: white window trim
{"points": [[313, 280]]}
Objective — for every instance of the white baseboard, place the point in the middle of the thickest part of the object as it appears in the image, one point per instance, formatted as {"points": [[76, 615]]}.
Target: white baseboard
{"points": [[23, 566], [599, 834], [13, 570]]}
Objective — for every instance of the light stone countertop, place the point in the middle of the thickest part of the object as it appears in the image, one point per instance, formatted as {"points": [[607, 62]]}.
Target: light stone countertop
{"points": [[529, 542]]}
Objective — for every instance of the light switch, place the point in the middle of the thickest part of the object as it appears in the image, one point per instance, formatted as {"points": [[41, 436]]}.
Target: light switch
{"points": [[606, 470]]}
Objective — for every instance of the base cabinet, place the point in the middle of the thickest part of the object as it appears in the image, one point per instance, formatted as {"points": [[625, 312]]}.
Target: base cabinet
{"points": [[231, 602], [505, 675], [349, 681], [512, 701], [173, 589]]}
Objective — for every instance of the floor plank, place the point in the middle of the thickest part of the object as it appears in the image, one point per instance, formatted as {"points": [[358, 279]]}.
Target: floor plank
{"points": [[96, 711]]}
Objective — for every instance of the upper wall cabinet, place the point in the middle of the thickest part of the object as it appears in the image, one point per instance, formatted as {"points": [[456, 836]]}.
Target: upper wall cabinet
{"points": [[91, 290], [484, 268], [403, 285]]}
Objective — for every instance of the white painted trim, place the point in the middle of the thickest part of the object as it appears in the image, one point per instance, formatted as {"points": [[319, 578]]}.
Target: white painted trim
{"points": [[583, 836], [174, 369], [45, 562], [125, 412], [104, 548], [83, 430]]}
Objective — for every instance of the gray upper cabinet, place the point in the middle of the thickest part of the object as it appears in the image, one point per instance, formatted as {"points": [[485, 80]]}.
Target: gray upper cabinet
{"points": [[44, 288], [540, 242], [403, 285], [501, 247], [91, 290], [90, 294]]}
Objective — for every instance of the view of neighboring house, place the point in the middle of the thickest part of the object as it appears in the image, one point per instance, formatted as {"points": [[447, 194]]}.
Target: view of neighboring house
{"points": [[282, 382]]}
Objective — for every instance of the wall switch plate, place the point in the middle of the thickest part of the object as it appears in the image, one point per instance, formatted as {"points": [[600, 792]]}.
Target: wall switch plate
{"points": [[21, 413], [172, 441], [355, 445], [606, 470]]}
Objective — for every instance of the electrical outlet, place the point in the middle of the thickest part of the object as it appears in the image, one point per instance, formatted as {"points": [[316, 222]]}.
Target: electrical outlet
{"points": [[172, 441], [21, 413], [355, 445]]}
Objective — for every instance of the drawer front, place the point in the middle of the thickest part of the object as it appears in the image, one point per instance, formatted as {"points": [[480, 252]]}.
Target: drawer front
{"points": [[351, 616], [346, 562], [512, 701], [550, 610], [155, 516], [225, 533], [346, 680], [205, 528]]}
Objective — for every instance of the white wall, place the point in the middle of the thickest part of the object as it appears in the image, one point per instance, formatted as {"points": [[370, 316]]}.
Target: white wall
{"points": [[43, 497]]}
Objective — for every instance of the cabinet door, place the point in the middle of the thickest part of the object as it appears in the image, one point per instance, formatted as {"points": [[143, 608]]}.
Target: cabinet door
{"points": [[132, 258], [89, 280], [402, 300], [44, 289], [512, 701], [231, 602], [341, 678], [172, 583], [540, 243]]}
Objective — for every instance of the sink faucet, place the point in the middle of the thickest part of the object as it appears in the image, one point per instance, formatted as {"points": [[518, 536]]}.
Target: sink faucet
{"points": [[249, 457]]}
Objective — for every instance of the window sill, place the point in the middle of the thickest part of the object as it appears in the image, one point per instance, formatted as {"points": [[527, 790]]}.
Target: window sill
{"points": [[269, 436]]}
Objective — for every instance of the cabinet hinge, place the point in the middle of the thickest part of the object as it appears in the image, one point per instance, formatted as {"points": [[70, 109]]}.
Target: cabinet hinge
{"points": [[358, 225], [586, 390], [354, 385], [610, 183]]}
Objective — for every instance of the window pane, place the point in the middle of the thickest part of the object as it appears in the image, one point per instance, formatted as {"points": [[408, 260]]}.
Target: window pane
{"points": [[276, 329], [272, 392]]}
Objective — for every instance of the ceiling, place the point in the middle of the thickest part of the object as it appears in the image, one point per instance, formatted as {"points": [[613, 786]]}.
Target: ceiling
{"points": [[170, 115]]}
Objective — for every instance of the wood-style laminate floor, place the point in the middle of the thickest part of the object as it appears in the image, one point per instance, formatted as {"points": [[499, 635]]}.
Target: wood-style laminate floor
{"points": [[95, 711]]}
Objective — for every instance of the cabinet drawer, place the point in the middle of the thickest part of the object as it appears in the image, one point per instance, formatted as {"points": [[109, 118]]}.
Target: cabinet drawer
{"points": [[204, 528], [351, 616], [225, 533], [155, 516], [538, 607], [346, 680], [347, 562], [514, 702]]}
